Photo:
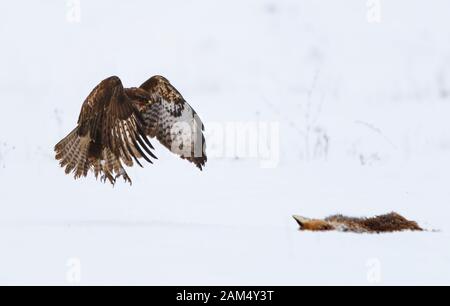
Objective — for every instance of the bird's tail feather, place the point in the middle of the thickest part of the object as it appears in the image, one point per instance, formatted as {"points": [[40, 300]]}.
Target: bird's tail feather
{"points": [[72, 153]]}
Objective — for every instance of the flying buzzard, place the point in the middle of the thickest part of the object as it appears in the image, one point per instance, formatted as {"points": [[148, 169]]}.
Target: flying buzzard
{"points": [[116, 122]]}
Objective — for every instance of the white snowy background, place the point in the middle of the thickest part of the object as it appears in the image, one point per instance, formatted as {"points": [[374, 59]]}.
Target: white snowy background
{"points": [[363, 109]]}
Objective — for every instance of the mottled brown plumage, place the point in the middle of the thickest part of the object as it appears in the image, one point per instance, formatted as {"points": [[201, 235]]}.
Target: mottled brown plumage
{"points": [[173, 122], [115, 123]]}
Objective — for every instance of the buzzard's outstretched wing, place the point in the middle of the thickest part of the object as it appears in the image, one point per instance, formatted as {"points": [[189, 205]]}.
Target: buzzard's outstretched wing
{"points": [[110, 131], [173, 122]]}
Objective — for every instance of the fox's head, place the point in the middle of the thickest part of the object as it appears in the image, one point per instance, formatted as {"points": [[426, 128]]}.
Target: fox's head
{"points": [[307, 224]]}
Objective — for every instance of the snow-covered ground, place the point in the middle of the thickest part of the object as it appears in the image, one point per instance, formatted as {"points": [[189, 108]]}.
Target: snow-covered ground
{"points": [[363, 117]]}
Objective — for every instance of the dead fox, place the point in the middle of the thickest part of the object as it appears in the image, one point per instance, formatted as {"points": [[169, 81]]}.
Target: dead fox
{"points": [[388, 223]]}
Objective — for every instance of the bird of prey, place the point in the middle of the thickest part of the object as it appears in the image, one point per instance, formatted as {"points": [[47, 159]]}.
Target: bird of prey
{"points": [[116, 123]]}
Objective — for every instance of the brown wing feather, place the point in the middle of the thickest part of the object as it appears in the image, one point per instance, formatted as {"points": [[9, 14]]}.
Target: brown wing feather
{"points": [[110, 131], [173, 121]]}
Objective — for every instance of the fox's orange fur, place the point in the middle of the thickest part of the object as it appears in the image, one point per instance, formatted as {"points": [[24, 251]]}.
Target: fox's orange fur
{"points": [[392, 222]]}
